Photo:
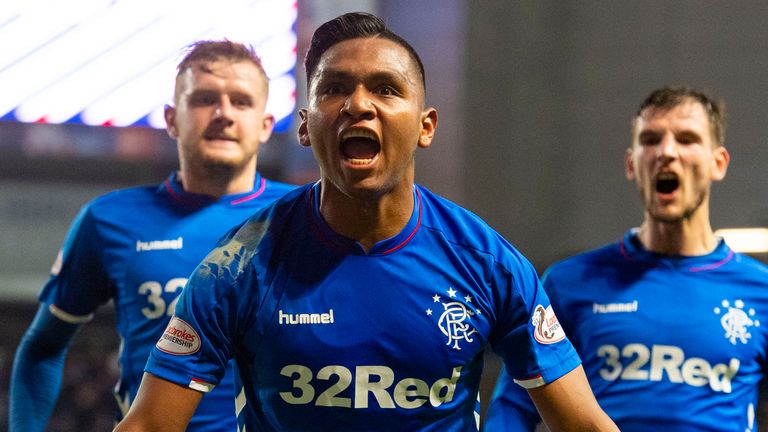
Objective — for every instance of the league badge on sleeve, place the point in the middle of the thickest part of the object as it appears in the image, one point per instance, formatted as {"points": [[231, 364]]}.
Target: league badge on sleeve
{"points": [[547, 329], [179, 338]]}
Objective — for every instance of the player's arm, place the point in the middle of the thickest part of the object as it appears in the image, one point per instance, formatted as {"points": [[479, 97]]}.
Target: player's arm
{"points": [[37, 371], [510, 407], [160, 406], [567, 404]]}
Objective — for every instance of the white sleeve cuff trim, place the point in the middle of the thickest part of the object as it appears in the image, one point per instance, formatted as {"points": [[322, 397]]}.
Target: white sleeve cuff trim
{"points": [[530, 383], [201, 386], [67, 317]]}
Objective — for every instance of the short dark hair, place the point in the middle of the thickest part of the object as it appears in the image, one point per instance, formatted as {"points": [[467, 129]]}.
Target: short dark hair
{"points": [[207, 51], [670, 97], [350, 26]]}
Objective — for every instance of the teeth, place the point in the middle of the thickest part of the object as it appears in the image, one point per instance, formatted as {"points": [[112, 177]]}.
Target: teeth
{"points": [[358, 133], [360, 161], [667, 176]]}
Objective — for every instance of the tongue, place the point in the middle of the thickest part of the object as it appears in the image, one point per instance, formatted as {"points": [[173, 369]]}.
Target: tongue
{"points": [[360, 148]]}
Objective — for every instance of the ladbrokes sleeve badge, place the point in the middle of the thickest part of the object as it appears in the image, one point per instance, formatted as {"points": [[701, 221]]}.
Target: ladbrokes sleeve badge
{"points": [[179, 338], [547, 330]]}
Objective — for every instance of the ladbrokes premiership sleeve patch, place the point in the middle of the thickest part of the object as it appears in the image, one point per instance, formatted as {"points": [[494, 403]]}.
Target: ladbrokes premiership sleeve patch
{"points": [[547, 329], [179, 338]]}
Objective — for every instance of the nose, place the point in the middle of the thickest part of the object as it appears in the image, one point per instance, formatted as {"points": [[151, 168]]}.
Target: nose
{"points": [[223, 111], [667, 148], [358, 104]]}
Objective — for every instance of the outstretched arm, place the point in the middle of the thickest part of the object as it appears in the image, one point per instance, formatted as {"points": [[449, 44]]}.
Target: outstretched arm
{"points": [[567, 404], [160, 406], [37, 371]]}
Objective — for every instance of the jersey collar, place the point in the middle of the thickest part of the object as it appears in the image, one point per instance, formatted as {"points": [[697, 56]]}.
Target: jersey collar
{"points": [[173, 187], [633, 250], [347, 245]]}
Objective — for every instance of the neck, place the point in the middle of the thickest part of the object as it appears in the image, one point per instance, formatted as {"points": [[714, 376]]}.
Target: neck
{"points": [[691, 237], [218, 183], [367, 219]]}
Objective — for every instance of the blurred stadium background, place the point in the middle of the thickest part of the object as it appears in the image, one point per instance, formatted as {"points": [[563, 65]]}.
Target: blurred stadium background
{"points": [[535, 100]]}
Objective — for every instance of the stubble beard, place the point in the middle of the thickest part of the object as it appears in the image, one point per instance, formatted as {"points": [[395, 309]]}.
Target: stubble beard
{"points": [[217, 169], [673, 219]]}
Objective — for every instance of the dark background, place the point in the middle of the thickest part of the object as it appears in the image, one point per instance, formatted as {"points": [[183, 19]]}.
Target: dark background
{"points": [[535, 99]]}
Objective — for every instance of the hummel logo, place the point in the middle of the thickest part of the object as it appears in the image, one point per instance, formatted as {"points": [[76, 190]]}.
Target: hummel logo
{"points": [[614, 307], [159, 244], [305, 318]]}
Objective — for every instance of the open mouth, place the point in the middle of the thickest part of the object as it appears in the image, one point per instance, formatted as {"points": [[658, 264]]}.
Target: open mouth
{"points": [[359, 146], [667, 183]]}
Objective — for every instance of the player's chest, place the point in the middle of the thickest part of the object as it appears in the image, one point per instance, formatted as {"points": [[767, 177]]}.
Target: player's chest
{"points": [[674, 331], [391, 312]]}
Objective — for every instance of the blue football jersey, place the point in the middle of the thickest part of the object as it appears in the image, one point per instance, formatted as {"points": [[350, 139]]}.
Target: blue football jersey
{"points": [[669, 343], [137, 247], [329, 337]]}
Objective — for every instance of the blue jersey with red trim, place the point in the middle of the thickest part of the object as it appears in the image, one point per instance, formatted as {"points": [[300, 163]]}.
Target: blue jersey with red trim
{"points": [[137, 247], [671, 343], [330, 337]]}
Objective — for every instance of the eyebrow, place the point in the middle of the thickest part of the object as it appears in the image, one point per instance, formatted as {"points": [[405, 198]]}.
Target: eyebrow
{"points": [[342, 75]]}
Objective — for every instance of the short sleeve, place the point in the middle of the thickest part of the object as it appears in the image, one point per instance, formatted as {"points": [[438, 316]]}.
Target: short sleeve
{"points": [[79, 282], [199, 340], [529, 337]]}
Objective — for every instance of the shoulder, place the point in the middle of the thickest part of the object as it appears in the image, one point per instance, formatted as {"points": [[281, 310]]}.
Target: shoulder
{"points": [[465, 230], [120, 200], [260, 229], [750, 267], [604, 258]]}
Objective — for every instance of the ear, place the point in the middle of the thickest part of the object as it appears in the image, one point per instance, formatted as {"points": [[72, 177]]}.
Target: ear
{"points": [[721, 158], [267, 124], [629, 164], [169, 112], [428, 127], [302, 132]]}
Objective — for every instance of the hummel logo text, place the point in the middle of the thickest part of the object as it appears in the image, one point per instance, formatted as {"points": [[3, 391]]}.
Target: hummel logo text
{"points": [[305, 318], [159, 244], [614, 307]]}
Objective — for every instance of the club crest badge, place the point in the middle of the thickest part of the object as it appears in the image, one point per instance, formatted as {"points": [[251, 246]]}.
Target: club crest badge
{"points": [[547, 329], [454, 318], [736, 320]]}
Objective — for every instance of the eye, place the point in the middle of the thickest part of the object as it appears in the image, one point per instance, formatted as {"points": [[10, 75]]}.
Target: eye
{"points": [[386, 91], [242, 102], [649, 139], [687, 138], [332, 89], [203, 99]]}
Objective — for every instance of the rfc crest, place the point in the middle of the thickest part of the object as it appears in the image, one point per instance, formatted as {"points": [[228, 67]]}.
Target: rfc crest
{"points": [[454, 319], [736, 320]]}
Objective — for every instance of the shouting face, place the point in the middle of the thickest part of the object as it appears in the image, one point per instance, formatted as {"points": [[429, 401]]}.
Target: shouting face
{"points": [[366, 117], [674, 159]]}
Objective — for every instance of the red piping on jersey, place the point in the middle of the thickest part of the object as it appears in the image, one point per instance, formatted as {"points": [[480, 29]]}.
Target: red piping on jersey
{"points": [[318, 229], [262, 186], [713, 265], [170, 190], [624, 251], [178, 197], [416, 228], [336, 245]]}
